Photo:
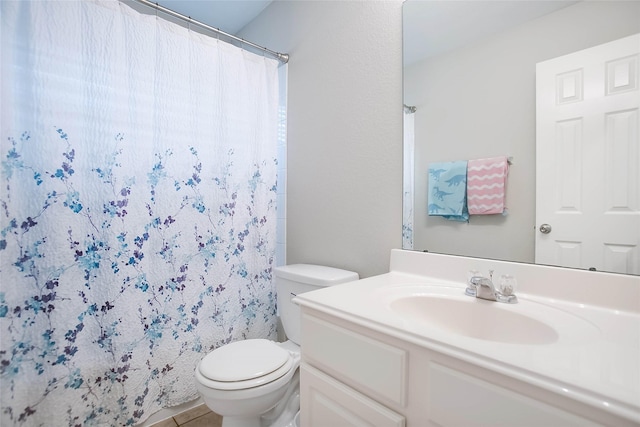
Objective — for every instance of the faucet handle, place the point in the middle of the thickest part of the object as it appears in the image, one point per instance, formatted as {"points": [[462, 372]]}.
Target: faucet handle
{"points": [[507, 284], [471, 286], [506, 288], [471, 274]]}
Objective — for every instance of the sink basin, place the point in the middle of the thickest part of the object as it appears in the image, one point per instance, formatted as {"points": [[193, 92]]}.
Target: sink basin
{"points": [[474, 318]]}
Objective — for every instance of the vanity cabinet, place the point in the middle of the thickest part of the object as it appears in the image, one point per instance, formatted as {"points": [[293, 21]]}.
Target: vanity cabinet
{"points": [[353, 375]]}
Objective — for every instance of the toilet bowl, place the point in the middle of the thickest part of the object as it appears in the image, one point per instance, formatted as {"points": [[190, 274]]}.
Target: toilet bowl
{"points": [[246, 380], [255, 382]]}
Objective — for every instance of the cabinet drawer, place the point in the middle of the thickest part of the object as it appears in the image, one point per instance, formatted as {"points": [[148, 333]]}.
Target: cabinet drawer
{"points": [[327, 402], [379, 369]]}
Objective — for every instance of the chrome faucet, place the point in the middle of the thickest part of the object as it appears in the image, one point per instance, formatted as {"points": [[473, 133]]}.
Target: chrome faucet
{"points": [[482, 287]]}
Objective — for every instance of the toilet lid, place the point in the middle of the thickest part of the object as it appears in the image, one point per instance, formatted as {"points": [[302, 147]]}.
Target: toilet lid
{"points": [[243, 360]]}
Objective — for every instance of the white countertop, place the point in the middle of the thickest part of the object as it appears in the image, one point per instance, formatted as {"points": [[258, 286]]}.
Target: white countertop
{"points": [[595, 358]]}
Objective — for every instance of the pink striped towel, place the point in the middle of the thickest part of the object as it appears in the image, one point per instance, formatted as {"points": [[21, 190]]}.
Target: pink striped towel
{"points": [[486, 185]]}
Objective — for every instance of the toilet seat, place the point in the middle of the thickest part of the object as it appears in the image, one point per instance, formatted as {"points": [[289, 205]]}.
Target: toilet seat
{"points": [[245, 364]]}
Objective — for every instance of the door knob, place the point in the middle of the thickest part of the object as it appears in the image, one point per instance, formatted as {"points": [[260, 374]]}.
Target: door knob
{"points": [[545, 229]]}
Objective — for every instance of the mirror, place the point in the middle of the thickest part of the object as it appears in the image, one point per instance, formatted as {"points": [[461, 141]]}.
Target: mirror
{"points": [[470, 74]]}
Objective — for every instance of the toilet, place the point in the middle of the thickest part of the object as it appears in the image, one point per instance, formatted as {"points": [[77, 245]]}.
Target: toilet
{"points": [[255, 382]]}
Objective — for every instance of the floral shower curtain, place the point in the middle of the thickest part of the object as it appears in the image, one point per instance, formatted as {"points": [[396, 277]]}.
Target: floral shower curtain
{"points": [[408, 168], [137, 206]]}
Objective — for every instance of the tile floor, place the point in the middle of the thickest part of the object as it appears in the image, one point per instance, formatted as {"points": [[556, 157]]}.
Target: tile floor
{"points": [[200, 416]]}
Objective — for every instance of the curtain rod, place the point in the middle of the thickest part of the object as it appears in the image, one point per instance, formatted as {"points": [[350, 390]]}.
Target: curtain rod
{"points": [[409, 108], [282, 57]]}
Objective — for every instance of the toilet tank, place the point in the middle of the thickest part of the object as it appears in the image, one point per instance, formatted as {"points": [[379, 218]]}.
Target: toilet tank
{"points": [[295, 279]]}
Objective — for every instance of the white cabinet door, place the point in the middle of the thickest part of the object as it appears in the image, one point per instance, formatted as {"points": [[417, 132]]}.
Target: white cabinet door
{"points": [[588, 158], [375, 368], [456, 399], [325, 402]]}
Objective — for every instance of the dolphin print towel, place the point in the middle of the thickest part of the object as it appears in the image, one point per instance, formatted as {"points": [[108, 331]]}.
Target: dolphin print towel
{"points": [[447, 190], [486, 186]]}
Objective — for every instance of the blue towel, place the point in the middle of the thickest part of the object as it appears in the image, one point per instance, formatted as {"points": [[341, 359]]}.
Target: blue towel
{"points": [[448, 190]]}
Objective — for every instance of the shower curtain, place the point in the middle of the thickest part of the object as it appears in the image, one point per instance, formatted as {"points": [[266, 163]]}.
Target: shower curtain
{"points": [[408, 183], [137, 200]]}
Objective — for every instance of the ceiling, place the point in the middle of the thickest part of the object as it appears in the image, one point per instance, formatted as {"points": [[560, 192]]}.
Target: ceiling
{"points": [[433, 27], [228, 15], [430, 27]]}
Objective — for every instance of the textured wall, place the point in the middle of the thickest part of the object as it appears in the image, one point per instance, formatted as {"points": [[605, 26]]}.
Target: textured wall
{"points": [[344, 128]]}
